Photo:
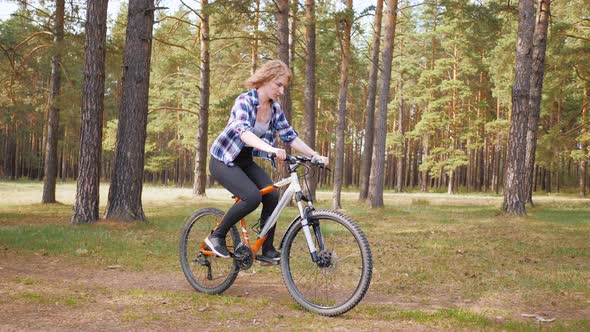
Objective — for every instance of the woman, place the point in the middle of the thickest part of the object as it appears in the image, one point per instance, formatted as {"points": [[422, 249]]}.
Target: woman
{"points": [[255, 119]]}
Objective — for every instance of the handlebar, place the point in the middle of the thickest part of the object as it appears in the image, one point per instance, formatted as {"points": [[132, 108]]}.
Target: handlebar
{"points": [[294, 160]]}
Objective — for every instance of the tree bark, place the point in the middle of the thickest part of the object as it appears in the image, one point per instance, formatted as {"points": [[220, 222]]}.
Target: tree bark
{"points": [[124, 201], [294, 8], [10, 152], [370, 108], [87, 193], [401, 130], [53, 117], [341, 117], [254, 54], [378, 157], [309, 98], [515, 178], [201, 155], [583, 162], [538, 73], [283, 34]]}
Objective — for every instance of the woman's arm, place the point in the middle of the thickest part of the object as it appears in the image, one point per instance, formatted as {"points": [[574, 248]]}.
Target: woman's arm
{"points": [[254, 141], [300, 146]]}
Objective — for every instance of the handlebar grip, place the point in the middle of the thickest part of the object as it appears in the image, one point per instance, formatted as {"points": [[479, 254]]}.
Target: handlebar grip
{"points": [[317, 161]]}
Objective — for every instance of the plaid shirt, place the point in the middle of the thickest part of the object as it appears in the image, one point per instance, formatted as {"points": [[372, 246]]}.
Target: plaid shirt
{"points": [[228, 144]]}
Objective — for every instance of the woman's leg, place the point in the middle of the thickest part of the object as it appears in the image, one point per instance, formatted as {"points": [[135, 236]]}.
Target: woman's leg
{"points": [[269, 201], [234, 179]]}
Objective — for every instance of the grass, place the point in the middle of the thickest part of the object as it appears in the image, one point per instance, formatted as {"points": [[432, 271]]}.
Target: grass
{"points": [[438, 262]]}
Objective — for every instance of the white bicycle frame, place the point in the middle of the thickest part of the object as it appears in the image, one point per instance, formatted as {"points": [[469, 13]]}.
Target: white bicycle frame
{"points": [[293, 187]]}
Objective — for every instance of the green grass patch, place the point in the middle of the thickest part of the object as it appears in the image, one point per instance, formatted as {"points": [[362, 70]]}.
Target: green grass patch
{"points": [[70, 300], [457, 318], [430, 255], [576, 216]]}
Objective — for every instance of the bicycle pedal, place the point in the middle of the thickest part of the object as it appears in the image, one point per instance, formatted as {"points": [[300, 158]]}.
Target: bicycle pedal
{"points": [[264, 261]]}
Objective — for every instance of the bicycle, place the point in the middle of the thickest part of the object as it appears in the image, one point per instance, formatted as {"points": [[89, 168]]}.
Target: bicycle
{"points": [[326, 261]]}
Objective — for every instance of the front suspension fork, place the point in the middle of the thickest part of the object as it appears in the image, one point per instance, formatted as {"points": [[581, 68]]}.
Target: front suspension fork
{"points": [[305, 212]]}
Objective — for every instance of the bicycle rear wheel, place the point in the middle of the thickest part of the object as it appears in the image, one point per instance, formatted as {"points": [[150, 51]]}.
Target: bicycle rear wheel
{"points": [[339, 281], [206, 273]]}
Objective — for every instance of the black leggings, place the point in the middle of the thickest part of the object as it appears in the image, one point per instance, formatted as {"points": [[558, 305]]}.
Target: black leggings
{"points": [[244, 180]]}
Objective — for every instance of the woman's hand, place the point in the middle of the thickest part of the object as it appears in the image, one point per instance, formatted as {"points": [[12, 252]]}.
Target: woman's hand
{"points": [[281, 154], [321, 159]]}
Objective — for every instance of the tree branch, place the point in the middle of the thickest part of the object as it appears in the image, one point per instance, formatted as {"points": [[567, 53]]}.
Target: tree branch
{"points": [[221, 49], [26, 57], [31, 37], [28, 4], [175, 109], [582, 126], [40, 23], [178, 19], [580, 75], [241, 37], [192, 10], [178, 74], [170, 44], [10, 59], [577, 37]]}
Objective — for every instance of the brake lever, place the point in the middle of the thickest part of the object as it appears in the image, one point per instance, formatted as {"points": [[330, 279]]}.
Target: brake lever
{"points": [[271, 157]]}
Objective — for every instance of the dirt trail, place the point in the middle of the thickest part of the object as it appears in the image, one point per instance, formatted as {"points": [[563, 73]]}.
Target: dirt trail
{"points": [[35, 290]]}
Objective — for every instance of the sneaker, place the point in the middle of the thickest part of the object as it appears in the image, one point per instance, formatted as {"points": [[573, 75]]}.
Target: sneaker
{"points": [[270, 256], [218, 246]]}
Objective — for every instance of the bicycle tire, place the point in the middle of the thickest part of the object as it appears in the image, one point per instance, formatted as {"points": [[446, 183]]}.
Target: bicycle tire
{"points": [[327, 290], [223, 271]]}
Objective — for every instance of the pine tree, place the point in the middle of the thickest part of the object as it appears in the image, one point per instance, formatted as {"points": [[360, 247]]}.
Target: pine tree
{"points": [[515, 178], [378, 162], [87, 193], [124, 202], [51, 157], [344, 29]]}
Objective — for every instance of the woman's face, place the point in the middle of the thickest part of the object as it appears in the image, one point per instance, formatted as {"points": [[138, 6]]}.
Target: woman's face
{"points": [[274, 88]]}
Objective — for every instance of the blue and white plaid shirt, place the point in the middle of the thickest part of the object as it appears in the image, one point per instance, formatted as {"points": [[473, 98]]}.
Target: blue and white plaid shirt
{"points": [[228, 144]]}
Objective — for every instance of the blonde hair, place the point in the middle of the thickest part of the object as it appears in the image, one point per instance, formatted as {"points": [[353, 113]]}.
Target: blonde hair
{"points": [[270, 70]]}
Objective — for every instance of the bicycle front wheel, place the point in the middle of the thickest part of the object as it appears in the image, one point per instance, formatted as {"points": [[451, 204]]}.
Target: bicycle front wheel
{"points": [[341, 277], [206, 273]]}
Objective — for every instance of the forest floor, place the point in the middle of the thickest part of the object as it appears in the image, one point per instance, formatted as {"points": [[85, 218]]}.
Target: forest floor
{"points": [[440, 263]]}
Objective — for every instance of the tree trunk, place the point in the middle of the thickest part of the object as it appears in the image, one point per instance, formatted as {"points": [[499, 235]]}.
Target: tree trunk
{"points": [[538, 73], [309, 99], [401, 130], [283, 34], [424, 181], [294, 7], [87, 193], [341, 117], [124, 201], [515, 178], [376, 178], [53, 117], [254, 54], [202, 151], [450, 186], [583, 162], [370, 108], [497, 155], [10, 152]]}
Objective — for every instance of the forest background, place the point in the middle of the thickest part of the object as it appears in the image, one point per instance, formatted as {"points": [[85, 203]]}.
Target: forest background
{"points": [[448, 108]]}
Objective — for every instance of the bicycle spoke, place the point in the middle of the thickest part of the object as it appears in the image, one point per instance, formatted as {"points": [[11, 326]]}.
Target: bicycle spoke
{"points": [[345, 257], [207, 274], [339, 279]]}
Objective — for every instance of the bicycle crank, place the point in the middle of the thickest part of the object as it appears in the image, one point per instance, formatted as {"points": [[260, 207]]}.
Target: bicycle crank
{"points": [[243, 255]]}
